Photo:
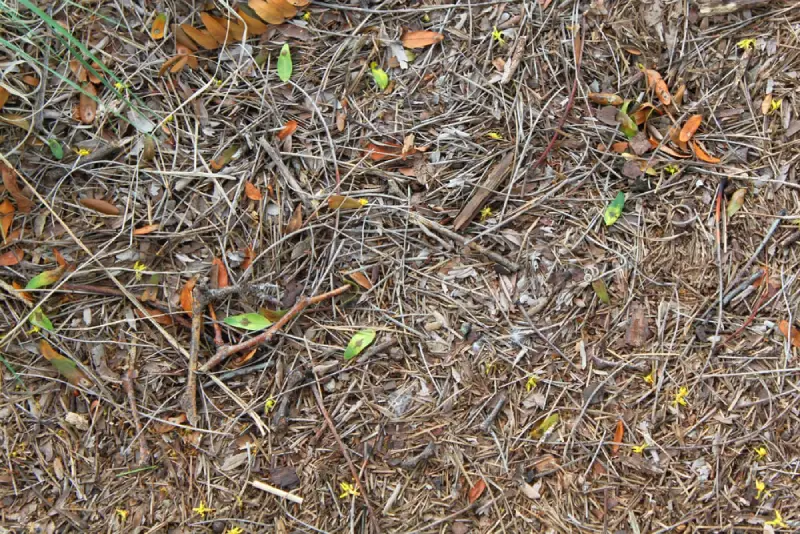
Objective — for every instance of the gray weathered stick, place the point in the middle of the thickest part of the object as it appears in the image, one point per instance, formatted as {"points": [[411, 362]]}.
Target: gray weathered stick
{"points": [[482, 193]]}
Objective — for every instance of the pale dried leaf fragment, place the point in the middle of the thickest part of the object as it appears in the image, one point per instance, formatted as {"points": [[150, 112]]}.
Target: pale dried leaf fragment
{"points": [[638, 331]]}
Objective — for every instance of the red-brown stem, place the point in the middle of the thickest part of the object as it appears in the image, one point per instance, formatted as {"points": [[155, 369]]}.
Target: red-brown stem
{"points": [[301, 304], [218, 341], [749, 319], [189, 401]]}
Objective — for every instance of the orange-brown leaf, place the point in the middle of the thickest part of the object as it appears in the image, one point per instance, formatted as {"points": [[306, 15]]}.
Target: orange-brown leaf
{"points": [[157, 30], [286, 9], [12, 257], [674, 153], [101, 206], [67, 367], [203, 38], [87, 107], [182, 39], [678, 98], [476, 491], [606, 99], [241, 360], [702, 155], [652, 76], [254, 25], [3, 96], [361, 279], [6, 218], [288, 129], [662, 92], [219, 274], [59, 258], [784, 327], [31, 80], [690, 127], [224, 158], [178, 66], [620, 147], [421, 39], [266, 11], [618, 434], [146, 229], [295, 221], [24, 204], [157, 315], [249, 257], [217, 30], [187, 299], [252, 192], [386, 151]]}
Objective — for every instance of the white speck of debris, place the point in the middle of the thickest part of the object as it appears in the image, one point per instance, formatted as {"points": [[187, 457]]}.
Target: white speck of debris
{"points": [[699, 183]]}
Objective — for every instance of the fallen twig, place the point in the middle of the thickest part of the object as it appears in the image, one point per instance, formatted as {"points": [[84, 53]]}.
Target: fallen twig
{"points": [[263, 486], [498, 405], [190, 397], [496, 176], [318, 395], [301, 304], [413, 461], [127, 383], [436, 227]]}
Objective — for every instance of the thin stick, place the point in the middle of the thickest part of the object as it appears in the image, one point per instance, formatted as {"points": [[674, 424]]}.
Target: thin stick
{"points": [[763, 244], [502, 397], [263, 486], [301, 304], [436, 227], [372, 517], [189, 401], [127, 383]]}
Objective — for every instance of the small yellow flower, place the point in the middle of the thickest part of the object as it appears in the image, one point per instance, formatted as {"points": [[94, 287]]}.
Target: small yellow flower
{"points": [[530, 384], [34, 330], [746, 44], [488, 368], [119, 86], [82, 151], [363, 201], [497, 35], [234, 530], [649, 378], [496, 136], [760, 486], [680, 397], [486, 213], [347, 490], [761, 452], [671, 169], [775, 105], [202, 510], [217, 82], [269, 405], [778, 521], [123, 514], [639, 449], [307, 16], [138, 269]]}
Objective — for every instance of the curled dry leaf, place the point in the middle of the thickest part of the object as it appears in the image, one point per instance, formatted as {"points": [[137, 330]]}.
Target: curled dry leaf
{"points": [[662, 92], [288, 129], [12, 257], [421, 39], [361, 279], [24, 204], [87, 105], [606, 99], [101, 206], [618, 435], [701, 154], [187, 298], [295, 221], [252, 192], [223, 159], [476, 491], [652, 76], [157, 315], [691, 126], [219, 274], [249, 257], [795, 338], [736, 202], [68, 368]]}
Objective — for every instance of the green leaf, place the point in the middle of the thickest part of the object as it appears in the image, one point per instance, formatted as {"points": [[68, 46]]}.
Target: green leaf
{"points": [[45, 279], [358, 342], [38, 318], [736, 201], [248, 321], [55, 148], [614, 210], [380, 76], [602, 291], [285, 64], [549, 422], [627, 125], [64, 365]]}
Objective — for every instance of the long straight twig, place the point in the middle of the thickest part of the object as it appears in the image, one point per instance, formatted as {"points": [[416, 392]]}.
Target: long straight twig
{"points": [[190, 397], [127, 383]]}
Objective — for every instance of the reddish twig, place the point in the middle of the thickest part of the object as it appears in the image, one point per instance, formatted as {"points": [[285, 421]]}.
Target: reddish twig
{"points": [[301, 304], [749, 319], [372, 517], [189, 400], [218, 341]]}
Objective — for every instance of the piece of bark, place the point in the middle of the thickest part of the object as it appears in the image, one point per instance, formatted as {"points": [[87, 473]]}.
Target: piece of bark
{"points": [[496, 177], [710, 8], [638, 331]]}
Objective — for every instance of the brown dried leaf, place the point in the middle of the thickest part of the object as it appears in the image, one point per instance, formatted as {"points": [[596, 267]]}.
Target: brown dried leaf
{"points": [[24, 204], [186, 298], [691, 126], [295, 221], [12, 257], [606, 99], [386, 151], [146, 229], [701, 154], [252, 192], [87, 107], [361, 279], [101, 206], [638, 331], [219, 274], [618, 435], [476, 491], [421, 39], [662, 92], [288, 129], [3, 96], [784, 328]]}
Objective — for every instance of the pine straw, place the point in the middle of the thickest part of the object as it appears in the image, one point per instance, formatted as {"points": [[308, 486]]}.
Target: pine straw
{"points": [[455, 333]]}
